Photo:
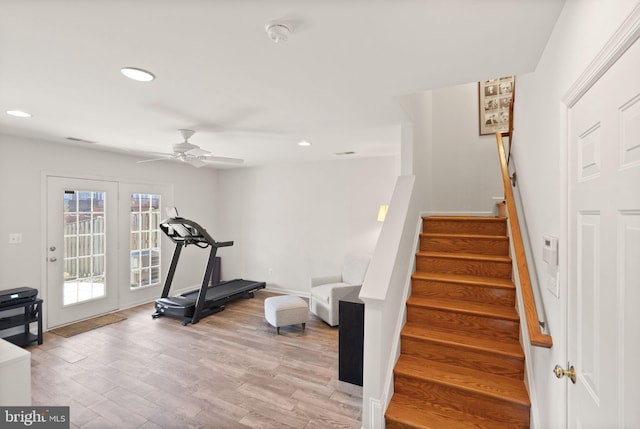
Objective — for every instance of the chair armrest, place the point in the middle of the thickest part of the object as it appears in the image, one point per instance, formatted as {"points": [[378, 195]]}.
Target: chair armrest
{"points": [[317, 281], [338, 293]]}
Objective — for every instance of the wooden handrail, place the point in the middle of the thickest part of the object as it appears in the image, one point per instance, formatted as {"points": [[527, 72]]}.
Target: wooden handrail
{"points": [[536, 336], [510, 130]]}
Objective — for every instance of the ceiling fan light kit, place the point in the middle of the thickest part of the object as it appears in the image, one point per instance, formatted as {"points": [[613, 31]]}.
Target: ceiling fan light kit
{"points": [[278, 31]]}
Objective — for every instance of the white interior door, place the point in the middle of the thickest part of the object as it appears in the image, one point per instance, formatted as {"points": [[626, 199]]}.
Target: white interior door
{"points": [[604, 253], [82, 263]]}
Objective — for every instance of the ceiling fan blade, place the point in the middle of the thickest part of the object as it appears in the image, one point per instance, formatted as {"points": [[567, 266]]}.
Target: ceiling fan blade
{"points": [[198, 152], [154, 159], [224, 159]]}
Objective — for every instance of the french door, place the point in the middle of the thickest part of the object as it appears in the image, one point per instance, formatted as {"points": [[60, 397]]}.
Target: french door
{"points": [[144, 256], [82, 264]]}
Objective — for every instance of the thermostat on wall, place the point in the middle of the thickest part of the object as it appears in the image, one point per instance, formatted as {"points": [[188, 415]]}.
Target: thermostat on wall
{"points": [[550, 250]]}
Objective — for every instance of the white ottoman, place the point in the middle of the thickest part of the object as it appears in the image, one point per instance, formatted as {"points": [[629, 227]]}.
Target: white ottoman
{"points": [[286, 310]]}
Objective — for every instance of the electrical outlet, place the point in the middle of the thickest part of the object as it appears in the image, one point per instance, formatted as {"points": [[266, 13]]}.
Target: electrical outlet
{"points": [[15, 238]]}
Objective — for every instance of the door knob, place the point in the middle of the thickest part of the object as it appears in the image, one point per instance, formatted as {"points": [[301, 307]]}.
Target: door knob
{"points": [[53, 259], [52, 248], [561, 372]]}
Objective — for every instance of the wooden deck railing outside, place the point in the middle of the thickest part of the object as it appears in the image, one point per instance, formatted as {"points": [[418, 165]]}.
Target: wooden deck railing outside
{"points": [[536, 336]]}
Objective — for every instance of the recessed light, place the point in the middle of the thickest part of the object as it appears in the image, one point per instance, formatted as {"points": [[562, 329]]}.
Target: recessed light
{"points": [[137, 74], [18, 113], [304, 143]]}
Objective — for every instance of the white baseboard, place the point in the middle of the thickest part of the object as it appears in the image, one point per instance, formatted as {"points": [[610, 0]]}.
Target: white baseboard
{"points": [[284, 291]]}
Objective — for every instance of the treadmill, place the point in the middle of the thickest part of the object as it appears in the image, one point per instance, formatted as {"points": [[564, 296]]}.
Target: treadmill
{"points": [[209, 299]]}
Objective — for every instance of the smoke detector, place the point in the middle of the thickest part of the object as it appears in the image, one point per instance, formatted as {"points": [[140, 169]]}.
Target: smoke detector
{"points": [[278, 31]]}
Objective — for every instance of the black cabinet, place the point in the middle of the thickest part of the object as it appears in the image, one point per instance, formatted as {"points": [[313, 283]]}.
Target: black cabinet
{"points": [[32, 314], [351, 339]]}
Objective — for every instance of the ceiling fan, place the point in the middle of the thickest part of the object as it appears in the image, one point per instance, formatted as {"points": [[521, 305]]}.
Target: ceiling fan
{"points": [[192, 154]]}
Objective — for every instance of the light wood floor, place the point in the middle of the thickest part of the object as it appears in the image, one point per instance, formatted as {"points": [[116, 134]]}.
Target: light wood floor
{"points": [[230, 370]]}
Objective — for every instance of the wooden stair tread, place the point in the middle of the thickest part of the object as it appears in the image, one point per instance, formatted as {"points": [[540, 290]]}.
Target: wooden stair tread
{"points": [[468, 256], [465, 218], [403, 410], [463, 235], [510, 349], [466, 307], [501, 388], [465, 279]]}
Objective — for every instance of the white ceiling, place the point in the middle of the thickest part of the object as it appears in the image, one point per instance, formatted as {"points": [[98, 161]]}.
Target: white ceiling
{"points": [[334, 83]]}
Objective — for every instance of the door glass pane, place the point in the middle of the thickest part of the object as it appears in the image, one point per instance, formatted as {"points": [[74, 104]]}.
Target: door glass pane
{"points": [[84, 246], [145, 240]]}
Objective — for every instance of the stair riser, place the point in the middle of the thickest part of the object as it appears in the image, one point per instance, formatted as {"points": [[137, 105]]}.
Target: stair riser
{"points": [[480, 227], [485, 327], [472, 403], [475, 245], [484, 361], [463, 292], [469, 267], [392, 424]]}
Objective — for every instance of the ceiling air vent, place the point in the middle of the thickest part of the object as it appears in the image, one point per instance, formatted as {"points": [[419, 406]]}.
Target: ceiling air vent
{"points": [[76, 139], [349, 152]]}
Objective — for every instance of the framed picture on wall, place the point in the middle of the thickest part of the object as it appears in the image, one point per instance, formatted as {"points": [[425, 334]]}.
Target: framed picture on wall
{"points": [[494, 97]]}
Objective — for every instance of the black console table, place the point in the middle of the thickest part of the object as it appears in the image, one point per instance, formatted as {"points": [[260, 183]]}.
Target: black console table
{"points": [[351, 339], [32, 314]]}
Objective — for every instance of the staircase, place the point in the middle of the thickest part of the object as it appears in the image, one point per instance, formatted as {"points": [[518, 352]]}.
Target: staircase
{"points": [[461, 363]]}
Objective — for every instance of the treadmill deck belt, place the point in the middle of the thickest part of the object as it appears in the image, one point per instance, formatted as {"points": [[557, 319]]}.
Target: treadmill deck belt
{"points": [[217, 296], [225, 289]]}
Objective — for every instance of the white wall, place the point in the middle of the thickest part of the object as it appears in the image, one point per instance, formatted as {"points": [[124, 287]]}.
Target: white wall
{"points": [[457, 170], [22, 163], [292, 222], [289, 222], [418, 139], [581, 31], [466, 171]]}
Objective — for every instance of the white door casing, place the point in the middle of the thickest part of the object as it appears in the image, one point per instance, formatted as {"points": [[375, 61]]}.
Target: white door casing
{"points": [[604, 249]]}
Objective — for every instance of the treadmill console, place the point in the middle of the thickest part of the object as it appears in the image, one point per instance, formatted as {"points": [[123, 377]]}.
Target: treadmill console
{"points": [[185, 231]]}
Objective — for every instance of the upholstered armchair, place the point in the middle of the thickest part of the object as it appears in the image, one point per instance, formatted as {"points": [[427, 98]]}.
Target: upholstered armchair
{"points": [[328, 290]]}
